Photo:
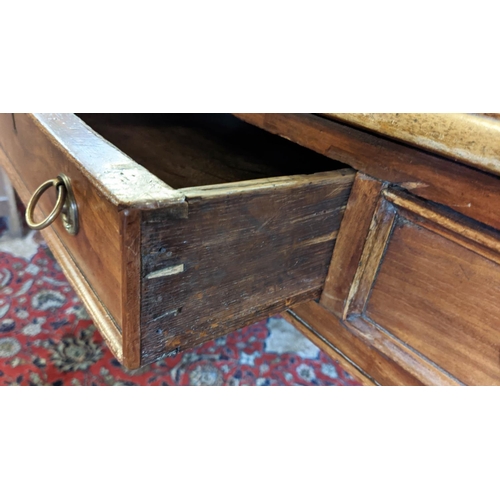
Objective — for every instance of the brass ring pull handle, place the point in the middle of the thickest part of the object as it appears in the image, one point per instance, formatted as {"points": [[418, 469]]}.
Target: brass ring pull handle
{"points": [[61, 196], [65, 205]]}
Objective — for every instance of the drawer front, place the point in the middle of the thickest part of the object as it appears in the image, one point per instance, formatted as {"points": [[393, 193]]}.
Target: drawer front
{"points": [[422, 286], [36, 157]]}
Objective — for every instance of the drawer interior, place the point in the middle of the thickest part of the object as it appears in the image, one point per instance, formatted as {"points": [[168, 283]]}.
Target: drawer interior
{"points": [[188, 150]]}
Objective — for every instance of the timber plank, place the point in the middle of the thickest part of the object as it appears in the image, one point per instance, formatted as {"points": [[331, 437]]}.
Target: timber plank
{"points": [[471, 192], [350, 242], [381, 368], [237, 257]]}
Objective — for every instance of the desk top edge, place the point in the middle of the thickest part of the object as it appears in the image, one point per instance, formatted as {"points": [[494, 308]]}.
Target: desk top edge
{"points": [[473, 139]]}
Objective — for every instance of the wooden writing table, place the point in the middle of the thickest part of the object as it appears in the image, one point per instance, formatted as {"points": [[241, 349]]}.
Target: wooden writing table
{"points": [[376, 235]]}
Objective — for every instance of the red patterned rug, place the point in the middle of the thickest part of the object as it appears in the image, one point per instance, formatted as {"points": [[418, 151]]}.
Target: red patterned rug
{"points": [[47, 338]]}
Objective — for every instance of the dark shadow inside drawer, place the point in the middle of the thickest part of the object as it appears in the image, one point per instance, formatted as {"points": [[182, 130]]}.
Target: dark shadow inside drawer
{"points": [[186, 150]]}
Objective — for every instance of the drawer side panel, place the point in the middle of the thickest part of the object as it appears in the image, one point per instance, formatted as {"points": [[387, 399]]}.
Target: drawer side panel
{"points": [[241, 255]]}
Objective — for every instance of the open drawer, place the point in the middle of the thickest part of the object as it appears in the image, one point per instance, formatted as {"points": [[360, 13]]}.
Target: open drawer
{"points": [[189, 226]]}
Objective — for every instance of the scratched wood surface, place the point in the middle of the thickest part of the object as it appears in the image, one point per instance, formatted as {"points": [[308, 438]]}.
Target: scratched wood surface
{"points": [[114, 175], [356, 287], [175, 276], [354, 230], [423, 295], [214, 258], [96, 249], [102, 318], [422, 292], [131, 287], [471, 138], [242, 254], [467, 190]]}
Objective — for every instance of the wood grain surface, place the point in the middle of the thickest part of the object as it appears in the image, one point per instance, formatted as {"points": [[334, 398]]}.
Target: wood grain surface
{"points": [[378, 367], [240, 256], [96, 249], [131, 287], [408, 294], [353, 297], [473, 139], [471, 192], [373, 252], [349, 246], [190, 149], [271, 225], [100, 314], [441, 299], [424, 292], [118, 178]]}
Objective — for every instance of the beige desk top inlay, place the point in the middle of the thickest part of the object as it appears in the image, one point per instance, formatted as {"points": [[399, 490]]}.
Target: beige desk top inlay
{"points": [[473, 139]]}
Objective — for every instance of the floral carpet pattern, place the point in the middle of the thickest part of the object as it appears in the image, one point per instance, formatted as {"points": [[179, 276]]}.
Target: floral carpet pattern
{"points": [[47, 338]]}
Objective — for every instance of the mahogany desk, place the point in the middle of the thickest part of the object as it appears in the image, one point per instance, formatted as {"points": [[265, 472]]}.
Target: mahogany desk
{"points": [[376, 235]]}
